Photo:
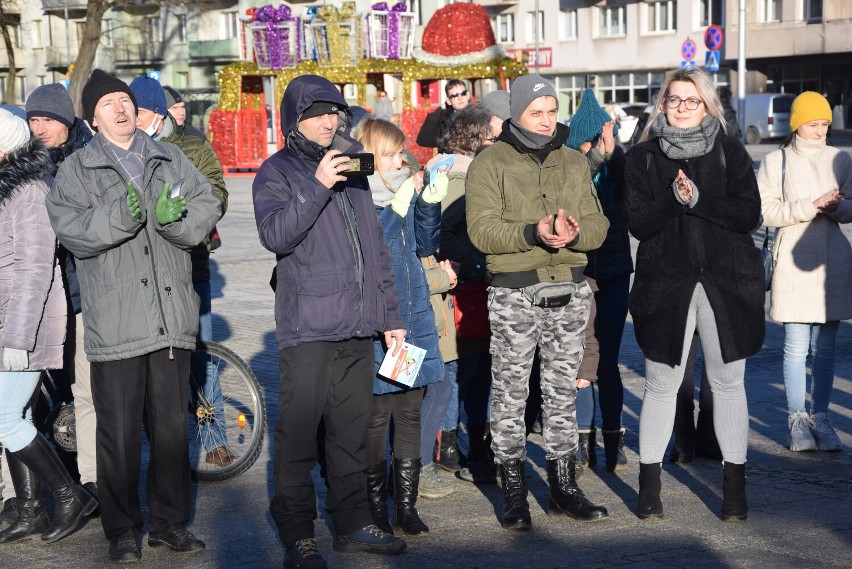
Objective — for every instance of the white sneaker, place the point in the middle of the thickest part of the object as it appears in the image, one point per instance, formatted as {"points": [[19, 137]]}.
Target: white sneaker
{"points": [[824, 433], [800, 426]]}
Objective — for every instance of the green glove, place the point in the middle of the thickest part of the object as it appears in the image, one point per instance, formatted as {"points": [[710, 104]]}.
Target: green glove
{"points": [[403, 196], [133, 201], [437, 188], [169, 209]]}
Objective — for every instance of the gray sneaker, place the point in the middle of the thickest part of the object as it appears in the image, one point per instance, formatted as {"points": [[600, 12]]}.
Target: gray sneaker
{"points": [[800, 426], [823, 432], [432, 486]]}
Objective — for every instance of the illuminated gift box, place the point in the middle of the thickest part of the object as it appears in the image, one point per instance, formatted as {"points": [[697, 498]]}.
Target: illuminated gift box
{"points": [[276, 44], [336, 36], [390, 32]]}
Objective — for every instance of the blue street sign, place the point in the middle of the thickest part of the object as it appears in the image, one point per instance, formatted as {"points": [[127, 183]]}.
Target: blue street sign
{"points": [[154, 75], [711, 61], [713, 37], [688, 49]]}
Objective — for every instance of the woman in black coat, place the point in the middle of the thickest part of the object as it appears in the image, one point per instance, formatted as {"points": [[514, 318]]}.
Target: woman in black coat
{"points": [[692, 202]]}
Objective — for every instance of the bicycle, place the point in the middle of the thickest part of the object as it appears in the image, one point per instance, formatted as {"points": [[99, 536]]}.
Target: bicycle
{"points": [[243, 418]]}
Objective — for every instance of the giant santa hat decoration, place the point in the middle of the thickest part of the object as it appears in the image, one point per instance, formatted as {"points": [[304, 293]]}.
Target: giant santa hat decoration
{"points": [[458, 34]]}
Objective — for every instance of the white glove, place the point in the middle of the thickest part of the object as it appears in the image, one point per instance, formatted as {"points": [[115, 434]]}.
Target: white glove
{"points": [[437, 188], [15, 360]]}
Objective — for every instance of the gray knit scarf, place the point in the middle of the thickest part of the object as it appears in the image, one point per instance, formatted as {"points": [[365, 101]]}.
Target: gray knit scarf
{"points": [[382, 194], [682, 143], [530, 139]]}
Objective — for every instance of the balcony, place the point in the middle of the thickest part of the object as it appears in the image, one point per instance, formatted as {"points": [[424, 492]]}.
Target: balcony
{"points": [[58, 57], [131, 54], [76, 8], [21, 57], [215, 50]]}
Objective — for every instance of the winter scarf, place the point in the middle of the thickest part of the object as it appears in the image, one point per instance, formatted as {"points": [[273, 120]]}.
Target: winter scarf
{"points": [[684, 143], [379, 182]]}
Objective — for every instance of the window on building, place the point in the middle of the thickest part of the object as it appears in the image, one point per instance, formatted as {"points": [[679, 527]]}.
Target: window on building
{"points": [[22, 87], [182, 79], [535, 26], [108, 33], [812, 9], [42, 80], [568, 24], [709, 12], [155, 29], [660, 16], [231, 24], [3, 89], [15, 33], [180, 31], [38, 40], [769, 10], [612, 21], [504, 28]]}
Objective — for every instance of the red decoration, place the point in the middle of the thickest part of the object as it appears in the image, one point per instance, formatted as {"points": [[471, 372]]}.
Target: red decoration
{"points": [[411, 121], [457, 29]]}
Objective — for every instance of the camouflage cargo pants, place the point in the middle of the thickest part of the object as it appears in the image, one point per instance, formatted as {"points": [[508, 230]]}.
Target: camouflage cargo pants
{"points": [[517, 328]]}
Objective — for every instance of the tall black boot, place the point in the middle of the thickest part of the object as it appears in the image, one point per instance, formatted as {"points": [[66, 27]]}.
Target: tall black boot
{"points": [[481, 468], [407, 479], [377, 495], [446, 454], [566, 498], [734, 506], [31, 514], [650, 505], [72, 501], [616, 460], [516, 508], [586, 456]]}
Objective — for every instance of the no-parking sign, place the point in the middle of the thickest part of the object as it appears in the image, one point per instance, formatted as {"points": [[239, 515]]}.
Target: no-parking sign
{"points": [[713, 37], [688, 49]]}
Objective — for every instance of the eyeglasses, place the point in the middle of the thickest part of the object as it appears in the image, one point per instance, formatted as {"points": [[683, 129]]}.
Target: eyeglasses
{"points": [[459, 94], [491, 139], [692, 103]]}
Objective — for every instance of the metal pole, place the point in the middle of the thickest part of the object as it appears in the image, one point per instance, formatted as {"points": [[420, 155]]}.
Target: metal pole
{"points": [[67, 35], [535, 32], [741, 68]]}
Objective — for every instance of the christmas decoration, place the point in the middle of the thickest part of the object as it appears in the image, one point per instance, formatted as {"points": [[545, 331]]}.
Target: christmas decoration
{"points": [[276, 33], [390, 31], [337, 35], [459, 34]]}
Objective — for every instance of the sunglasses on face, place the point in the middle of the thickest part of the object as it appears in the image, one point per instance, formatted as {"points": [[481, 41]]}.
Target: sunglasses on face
{"points": [[459, 94]]}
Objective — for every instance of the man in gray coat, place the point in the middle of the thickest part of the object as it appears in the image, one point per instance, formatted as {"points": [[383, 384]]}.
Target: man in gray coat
{"points": [[111, 207]]}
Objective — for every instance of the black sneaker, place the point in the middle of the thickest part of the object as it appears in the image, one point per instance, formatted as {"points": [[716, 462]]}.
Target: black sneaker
{"points": [[303, 555], [124, 549], [180, 540], [369, 539]]}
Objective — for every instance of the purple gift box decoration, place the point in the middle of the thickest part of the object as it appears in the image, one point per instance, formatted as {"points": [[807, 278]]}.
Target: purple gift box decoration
{"points": [[390, 31], [277, 38]]}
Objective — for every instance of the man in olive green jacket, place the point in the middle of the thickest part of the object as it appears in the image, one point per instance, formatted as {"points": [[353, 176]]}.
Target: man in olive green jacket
{"points": [[532, 210]]}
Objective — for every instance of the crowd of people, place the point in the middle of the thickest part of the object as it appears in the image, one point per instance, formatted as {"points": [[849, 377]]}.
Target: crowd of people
{"points": [[502, 266]]}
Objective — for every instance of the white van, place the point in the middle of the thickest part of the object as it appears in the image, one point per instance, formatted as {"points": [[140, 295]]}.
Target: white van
{"points": [[767, 115]]}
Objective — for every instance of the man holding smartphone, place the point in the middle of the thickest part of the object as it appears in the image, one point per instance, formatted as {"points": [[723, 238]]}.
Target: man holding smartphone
{"points": [[334, 292]]}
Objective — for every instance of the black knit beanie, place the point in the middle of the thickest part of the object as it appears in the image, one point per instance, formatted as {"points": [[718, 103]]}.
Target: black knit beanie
{"points": [[101, 83]]}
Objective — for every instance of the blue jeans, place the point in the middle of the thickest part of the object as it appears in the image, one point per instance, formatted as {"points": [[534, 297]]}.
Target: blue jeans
{"points": [[799, 341], [611, 300], [213, 434], [472, 384], [16, 414], [433, 409]]}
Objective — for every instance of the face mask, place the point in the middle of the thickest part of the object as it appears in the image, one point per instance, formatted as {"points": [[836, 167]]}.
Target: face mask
{"points": [[152, 128]]}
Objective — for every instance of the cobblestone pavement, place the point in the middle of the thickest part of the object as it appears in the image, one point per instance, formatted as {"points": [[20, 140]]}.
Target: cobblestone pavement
{"points": [[800, 514]]}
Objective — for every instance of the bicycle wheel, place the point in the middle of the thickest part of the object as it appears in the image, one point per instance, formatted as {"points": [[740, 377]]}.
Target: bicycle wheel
{"points": [[236, 427]]}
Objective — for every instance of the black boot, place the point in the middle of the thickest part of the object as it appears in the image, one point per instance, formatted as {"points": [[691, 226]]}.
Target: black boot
{"points": [[516, 509], [650, 505], [377, 495], [447, 454], [72, 501], [616, 460], [406, 476], [481, 468], [477, 449], [31, 516], [585, 451], [734, 506], [566, 498]]}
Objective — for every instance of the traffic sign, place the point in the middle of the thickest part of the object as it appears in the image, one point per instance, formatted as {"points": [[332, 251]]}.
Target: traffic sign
{"points": [[154, 75], [686, 64], [711, 61], [713, 37], [688, 49]]}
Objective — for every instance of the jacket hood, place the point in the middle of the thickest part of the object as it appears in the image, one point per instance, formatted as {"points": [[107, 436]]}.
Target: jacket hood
{"points": [[30, 162], [304, 91]]}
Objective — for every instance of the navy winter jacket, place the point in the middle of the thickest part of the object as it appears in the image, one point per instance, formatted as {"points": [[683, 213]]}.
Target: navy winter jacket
{"points": [[322, 292]]}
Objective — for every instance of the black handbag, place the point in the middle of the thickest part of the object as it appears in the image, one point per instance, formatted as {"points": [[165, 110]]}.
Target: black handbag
{"points": [[766, 257]]}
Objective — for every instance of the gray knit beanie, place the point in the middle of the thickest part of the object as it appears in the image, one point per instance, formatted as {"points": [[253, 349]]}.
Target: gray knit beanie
{"points": [[525, 90], [497, 103], [52, 101]]}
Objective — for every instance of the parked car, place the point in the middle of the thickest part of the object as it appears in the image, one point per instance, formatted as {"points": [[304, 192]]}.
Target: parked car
{"points": [[767, 115]]}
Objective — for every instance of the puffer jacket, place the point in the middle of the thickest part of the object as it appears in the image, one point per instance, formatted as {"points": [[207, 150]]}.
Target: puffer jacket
{"points": [[135, 274], [322, 294], [508, 192], [416, 235], [32, 298]]}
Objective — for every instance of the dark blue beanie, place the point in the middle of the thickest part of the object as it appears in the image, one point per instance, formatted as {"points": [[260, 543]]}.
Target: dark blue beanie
{"points": [[149, 95], [588, 121]]}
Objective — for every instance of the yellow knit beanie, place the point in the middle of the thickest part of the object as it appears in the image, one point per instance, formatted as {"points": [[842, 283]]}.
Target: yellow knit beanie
{"points": [[809, 107]]}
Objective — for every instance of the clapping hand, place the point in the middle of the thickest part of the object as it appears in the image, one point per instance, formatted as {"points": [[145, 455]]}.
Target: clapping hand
{"points": [[169, 209], [133, 201], [565, 230], [827, 202], [684, 187]]}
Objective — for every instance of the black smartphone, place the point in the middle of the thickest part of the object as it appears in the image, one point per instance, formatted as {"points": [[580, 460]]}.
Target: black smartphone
{"points": [[361, 164]]}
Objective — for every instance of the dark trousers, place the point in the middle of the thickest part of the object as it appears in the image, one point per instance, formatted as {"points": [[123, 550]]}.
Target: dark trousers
{"points": [[435, 402], [122, 390], [332, 381], [404, 408]]}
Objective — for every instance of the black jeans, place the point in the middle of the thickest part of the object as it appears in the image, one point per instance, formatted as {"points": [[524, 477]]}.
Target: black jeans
{"points": [[404, 407], [332, 381], [122, 390]]}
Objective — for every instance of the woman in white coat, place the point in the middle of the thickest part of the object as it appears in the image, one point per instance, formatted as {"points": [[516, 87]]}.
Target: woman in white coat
{"points": [[804, 188]]}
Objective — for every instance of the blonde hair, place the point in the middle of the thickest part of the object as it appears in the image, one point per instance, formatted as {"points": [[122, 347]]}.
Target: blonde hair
{"points": [[380, 138], [706, 90]]}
